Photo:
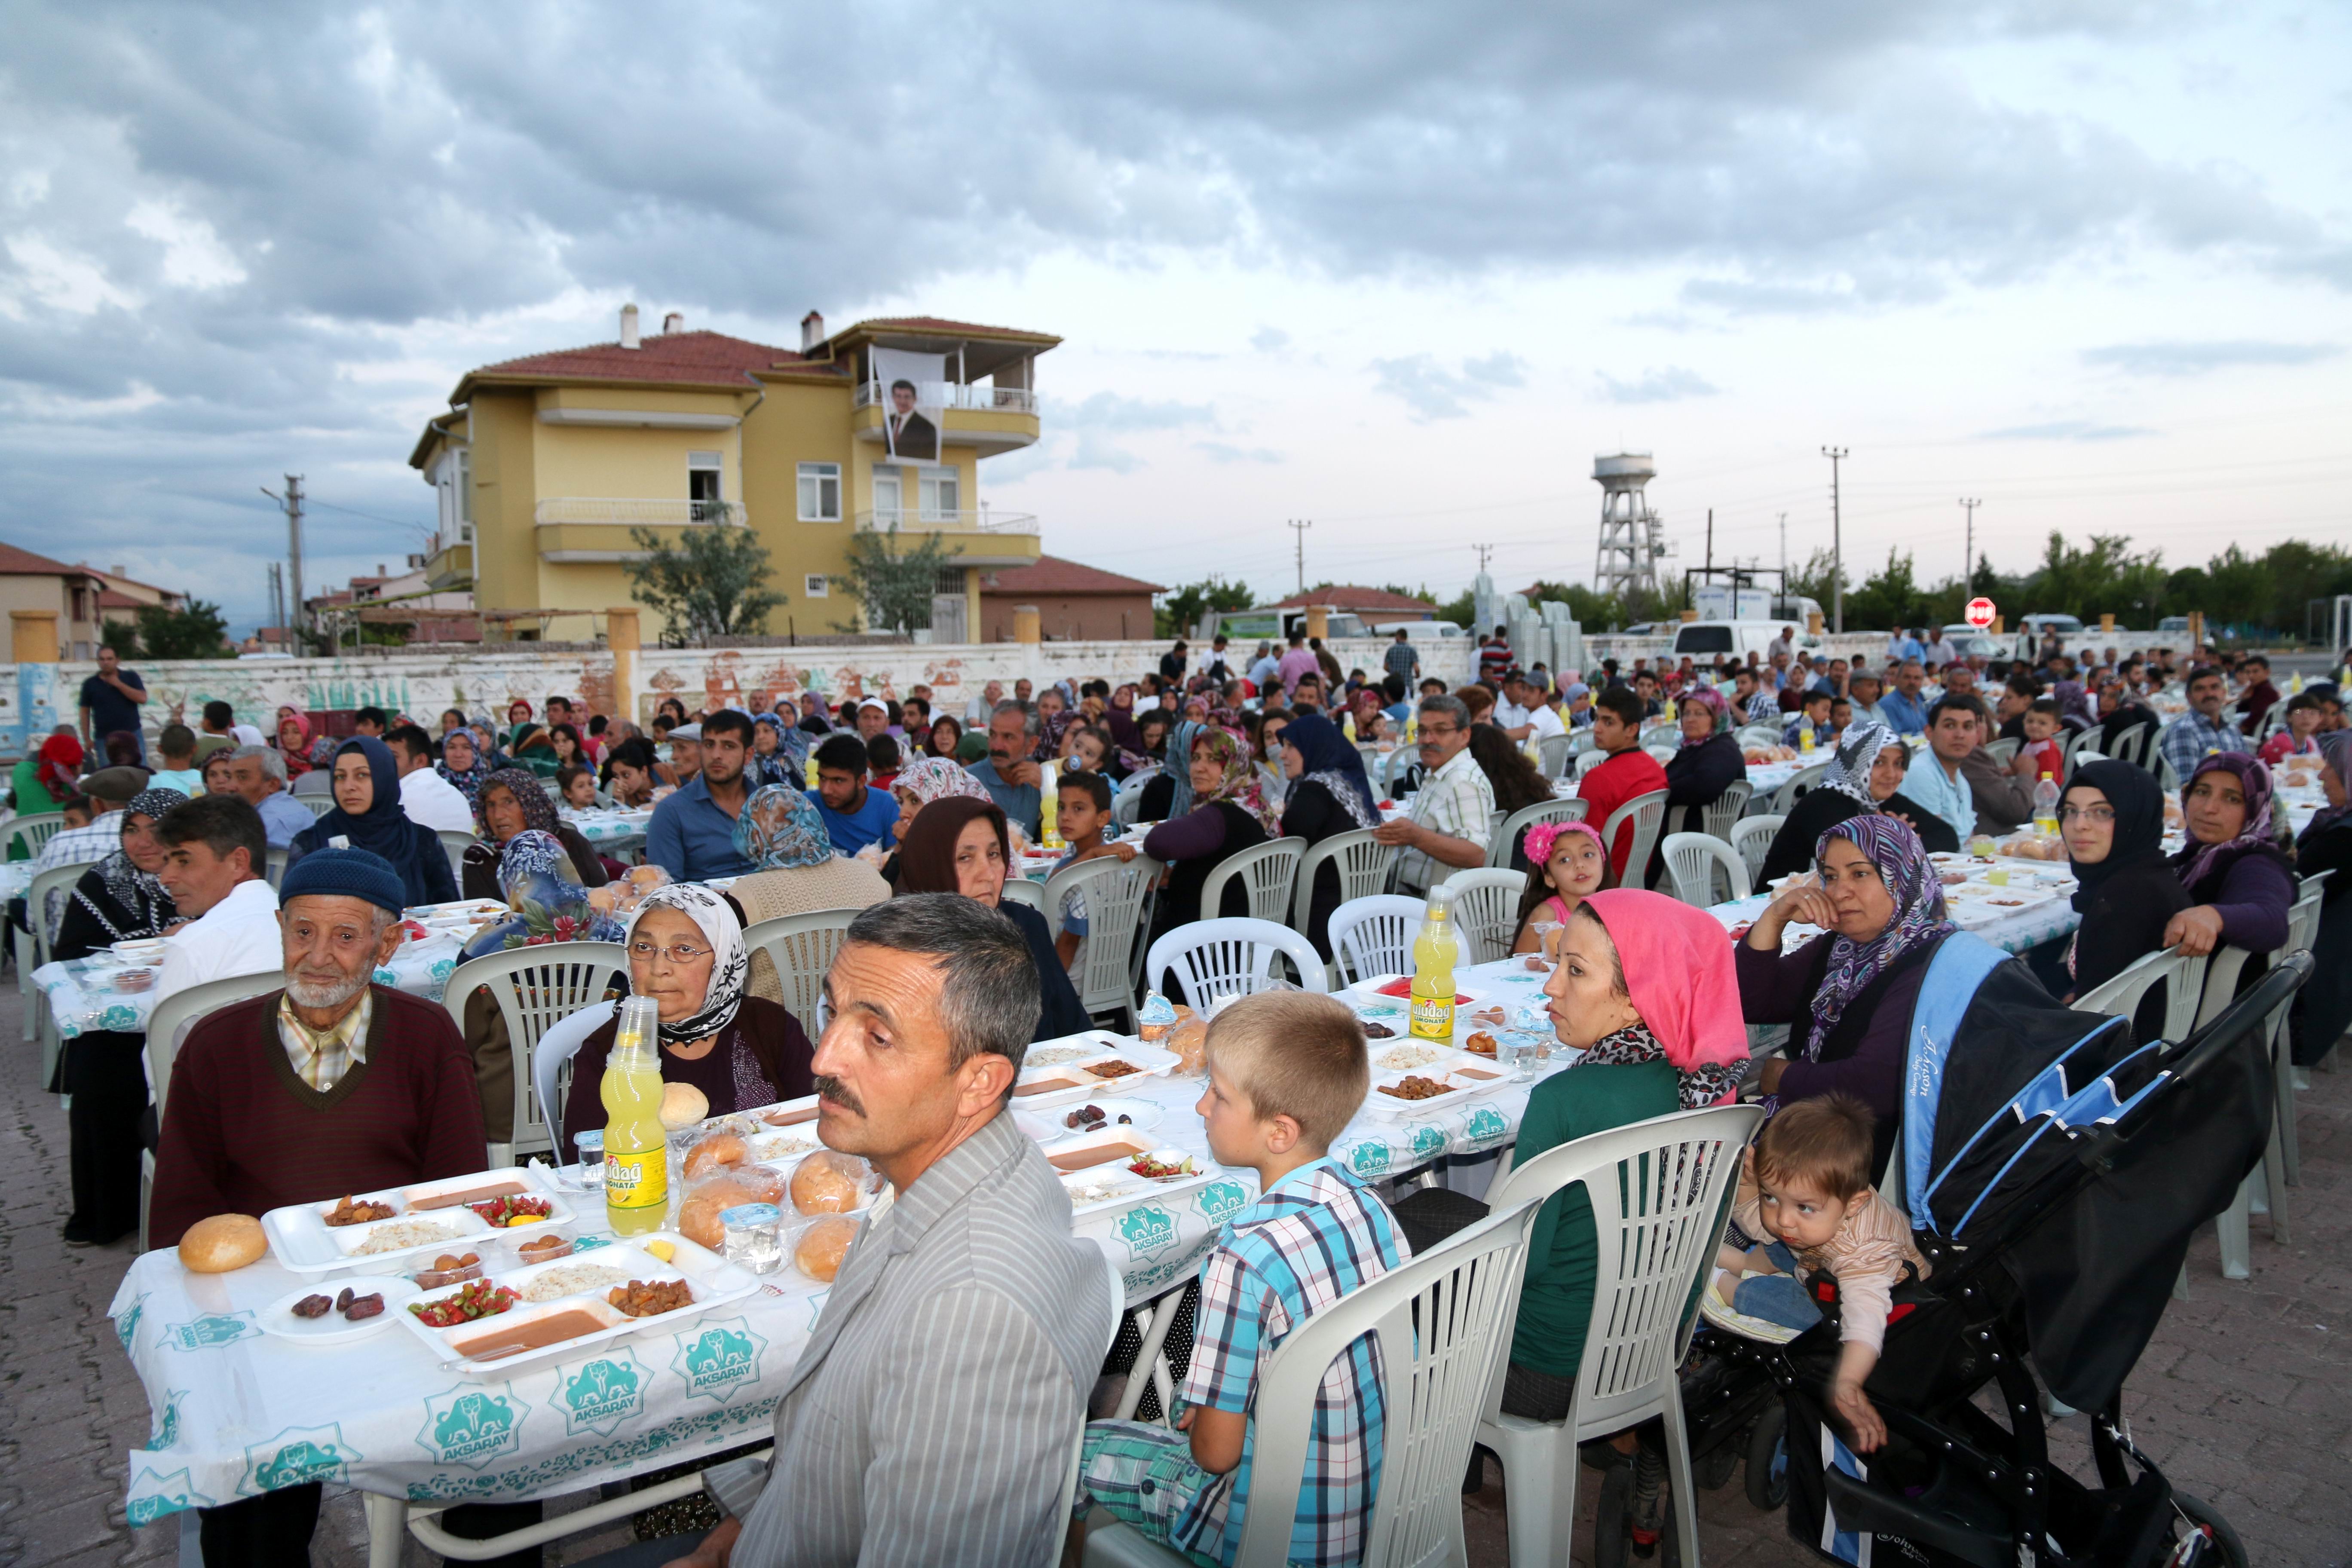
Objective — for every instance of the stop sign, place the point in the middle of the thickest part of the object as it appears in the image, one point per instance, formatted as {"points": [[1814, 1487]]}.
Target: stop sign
{"points": [[1980, 612]]}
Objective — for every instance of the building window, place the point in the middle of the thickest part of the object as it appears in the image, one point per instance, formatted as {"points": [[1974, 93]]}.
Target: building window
{"points": [[941, 491], [819, 492], [702, 491], [817, 584], [950, 581], [466, 495]]}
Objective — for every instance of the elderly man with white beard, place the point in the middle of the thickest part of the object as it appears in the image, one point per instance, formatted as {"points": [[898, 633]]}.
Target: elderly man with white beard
{"points": [[327, 1086]]}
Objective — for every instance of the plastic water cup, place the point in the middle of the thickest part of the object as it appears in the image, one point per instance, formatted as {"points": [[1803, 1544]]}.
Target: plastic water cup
{"points": [[588, 1174]]}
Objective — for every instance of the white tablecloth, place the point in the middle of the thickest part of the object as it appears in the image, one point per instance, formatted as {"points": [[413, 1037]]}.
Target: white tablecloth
{"points": [[2047, 918], [610, 829], [238, 1412], [80, 998]]}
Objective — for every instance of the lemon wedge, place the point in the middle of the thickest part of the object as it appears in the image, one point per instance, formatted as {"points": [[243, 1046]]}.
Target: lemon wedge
{"points": [[661, 1249], [524, 1219]]}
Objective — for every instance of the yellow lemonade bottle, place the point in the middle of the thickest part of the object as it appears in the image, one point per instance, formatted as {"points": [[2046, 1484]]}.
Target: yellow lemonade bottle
{"points": [[1434, 951], [1049, 807], [812, 769], [637, 1147]]}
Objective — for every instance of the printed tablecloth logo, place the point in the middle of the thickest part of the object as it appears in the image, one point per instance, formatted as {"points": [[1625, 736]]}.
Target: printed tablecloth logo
{"points": [[126, 1327], [721, 1362], [471, 1424], [1368, 1158], [211, 1331], [602, 1393], [296, 1457], [120, 1016], [1485, 1126], [167, 1424], [1220, 1201], [1428, 1142], [162, 1495], [1146, 1229]]}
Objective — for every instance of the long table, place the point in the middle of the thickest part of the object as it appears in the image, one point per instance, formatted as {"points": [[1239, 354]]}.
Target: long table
{"points": [[81, 998]]}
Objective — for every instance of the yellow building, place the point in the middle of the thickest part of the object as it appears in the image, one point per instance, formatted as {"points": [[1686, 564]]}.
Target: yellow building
{"points": [[544, 464]]}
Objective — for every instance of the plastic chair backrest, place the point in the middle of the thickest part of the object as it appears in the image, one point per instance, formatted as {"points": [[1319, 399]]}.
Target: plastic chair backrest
{"points": [[1486, 910], [2120, 995], [1221, 958], [1658, 1224], [2002, 752], [1078, 1444], [318, 802], [1267, 871], [275, 863], [1720, 814], [1752, 836], [1374, 935], [1022, 890], [548, 1060], [1588, 761], [1785, 800], [1694, 860], [1127, 804], [1363, 863], [455, 844], [169, 1024], [535, 988], [1647, 813], [1115, 893], [1400, 761], [57, 878], [1443, 1323], [1554, 751], [802, 947], [33, 831], [2220, 988], [1515, 827]]}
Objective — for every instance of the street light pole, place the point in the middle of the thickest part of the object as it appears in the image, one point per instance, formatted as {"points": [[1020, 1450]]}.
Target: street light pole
{"points": [[1836, 455]]}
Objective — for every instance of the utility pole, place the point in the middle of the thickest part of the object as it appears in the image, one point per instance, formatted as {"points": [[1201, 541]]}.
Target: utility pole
{"points": [[1836, 455], [1710, 545], [292, 502], [1969, 561], [1484, 551], [1299, 527], [1784, 553]]}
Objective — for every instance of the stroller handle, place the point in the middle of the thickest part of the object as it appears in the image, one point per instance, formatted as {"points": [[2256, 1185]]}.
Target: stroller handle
{"points": [[2195, 1056]]}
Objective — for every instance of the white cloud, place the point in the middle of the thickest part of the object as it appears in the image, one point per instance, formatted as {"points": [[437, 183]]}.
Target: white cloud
{"points": [[1670, 385]]}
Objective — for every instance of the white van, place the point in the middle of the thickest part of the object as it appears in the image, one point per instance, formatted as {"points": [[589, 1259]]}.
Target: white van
{"points": [[1419, 631], [1705, 641]]}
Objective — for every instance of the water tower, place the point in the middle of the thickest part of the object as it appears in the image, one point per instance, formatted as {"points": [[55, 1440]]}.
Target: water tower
{"points": [[1631, 536]]}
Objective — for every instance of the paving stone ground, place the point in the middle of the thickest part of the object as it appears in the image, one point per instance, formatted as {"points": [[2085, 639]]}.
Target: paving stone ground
{"points": [[2244, 1397]]}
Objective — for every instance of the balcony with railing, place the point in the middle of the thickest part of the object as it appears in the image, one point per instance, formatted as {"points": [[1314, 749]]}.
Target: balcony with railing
{"points": [[629, 512], [953, 394], [982, 537]]}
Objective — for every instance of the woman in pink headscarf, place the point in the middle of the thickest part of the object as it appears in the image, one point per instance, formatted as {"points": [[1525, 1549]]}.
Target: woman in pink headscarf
{"points": [[294, 735], [1645, 990]]}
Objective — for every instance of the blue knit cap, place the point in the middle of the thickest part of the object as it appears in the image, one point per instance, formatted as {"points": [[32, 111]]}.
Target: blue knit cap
{"points": [[344, 874]]}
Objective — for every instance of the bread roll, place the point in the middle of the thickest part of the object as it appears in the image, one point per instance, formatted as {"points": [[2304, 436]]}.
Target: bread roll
{"points": [[683, 1105], [224, 1242], [714, 1153], [697, 1216], [822, 1247], [826, 1183]]}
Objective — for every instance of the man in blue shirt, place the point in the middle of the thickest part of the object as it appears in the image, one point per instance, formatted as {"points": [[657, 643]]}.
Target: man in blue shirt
{"points": [[1007, 773], [692, 835], [1902, 708], [854, 814]]}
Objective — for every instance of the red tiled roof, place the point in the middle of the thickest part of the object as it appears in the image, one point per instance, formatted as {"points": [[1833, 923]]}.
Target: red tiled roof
{"points": [[705, 358], [1353, 596], [108, 599], [15, 562], [1051, 574], [934, 324]]}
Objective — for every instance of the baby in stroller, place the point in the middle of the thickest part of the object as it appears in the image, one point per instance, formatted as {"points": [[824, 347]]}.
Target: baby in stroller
{"points": [[1805, 1185]]}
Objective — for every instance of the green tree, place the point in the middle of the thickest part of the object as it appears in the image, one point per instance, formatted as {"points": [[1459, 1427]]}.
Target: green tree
{"points": [[1888, 599], [706, 585], [199, 631], [894, 584], [1187, 604], [123, 637]]}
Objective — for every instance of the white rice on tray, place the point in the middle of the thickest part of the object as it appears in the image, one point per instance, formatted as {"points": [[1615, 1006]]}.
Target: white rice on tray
{"points": [[1402, 1058], [783, 1146], [1056, 1055], [573, 1280], [403, 1233]]}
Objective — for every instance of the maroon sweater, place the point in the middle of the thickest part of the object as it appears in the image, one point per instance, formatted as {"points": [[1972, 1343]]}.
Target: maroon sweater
{"points": [[244, 1134]]}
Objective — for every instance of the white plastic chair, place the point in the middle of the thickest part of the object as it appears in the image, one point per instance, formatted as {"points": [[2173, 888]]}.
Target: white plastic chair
{"points": [[1127, 807], [1664, 755], [2002, 752], [1486, 910], [1374, 935], [320, 801], [1442, 1322], [1647, 813], [1554, 751], [33, 830], [2302, 931], [1752, 836], [1694, 860], [534, 988], [1267, 870], [1021, 891], [802, 947], [455, 844], [1719, 815], [1588, 761], [1660, 1193], [2120, 995], [2221, 974], [1515, 827], [550, 1080], [1115, 892], [167, 1026], [1785, 800], [1364, 865], [33, 951], [1214, 960]]}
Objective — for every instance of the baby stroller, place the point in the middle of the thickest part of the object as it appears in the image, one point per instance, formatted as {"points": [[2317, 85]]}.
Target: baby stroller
{"points": [[2053, 1173]]}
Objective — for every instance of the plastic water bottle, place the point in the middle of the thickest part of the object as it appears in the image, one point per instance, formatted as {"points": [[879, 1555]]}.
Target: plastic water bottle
{"points": [[1434, 952], [2045, 806]]}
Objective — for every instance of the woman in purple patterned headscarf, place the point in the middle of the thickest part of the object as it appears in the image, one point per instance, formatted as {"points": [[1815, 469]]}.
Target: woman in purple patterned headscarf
{"points": [[2239, 879]]}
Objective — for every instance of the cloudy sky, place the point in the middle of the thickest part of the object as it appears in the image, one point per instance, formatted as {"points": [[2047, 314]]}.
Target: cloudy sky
{"points": [[1400, 268]]}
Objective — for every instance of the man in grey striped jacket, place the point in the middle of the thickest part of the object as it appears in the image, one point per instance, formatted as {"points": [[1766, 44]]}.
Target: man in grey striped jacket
{"points": [[932, 1417]]}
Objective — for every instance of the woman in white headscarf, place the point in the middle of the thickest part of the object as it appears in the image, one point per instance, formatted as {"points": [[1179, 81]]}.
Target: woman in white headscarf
{"points": [[685, 952]]}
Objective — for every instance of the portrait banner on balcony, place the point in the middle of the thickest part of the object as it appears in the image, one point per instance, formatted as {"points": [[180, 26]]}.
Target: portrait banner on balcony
{"points": [[912, 391]]}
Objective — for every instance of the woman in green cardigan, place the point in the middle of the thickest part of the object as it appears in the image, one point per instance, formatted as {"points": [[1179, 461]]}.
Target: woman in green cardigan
{"points": [[43, 781], [1645, 989]]}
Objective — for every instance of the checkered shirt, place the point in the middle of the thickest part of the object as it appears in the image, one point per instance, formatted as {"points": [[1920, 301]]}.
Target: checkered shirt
{"points": [[1320, 1234], [323, 1058], [1457, 801], [73, 845], [2184, 743]]}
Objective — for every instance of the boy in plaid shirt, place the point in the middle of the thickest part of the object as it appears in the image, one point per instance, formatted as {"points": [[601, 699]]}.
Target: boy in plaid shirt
{"points": [[1287, 1071]]}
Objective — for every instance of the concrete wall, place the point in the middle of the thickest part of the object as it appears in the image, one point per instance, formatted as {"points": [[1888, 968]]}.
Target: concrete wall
{"points": [[1078, 616]]}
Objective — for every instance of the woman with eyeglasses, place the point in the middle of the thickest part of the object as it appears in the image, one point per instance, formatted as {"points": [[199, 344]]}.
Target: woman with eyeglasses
{"points": [[2112, 818], [685, 952]]}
